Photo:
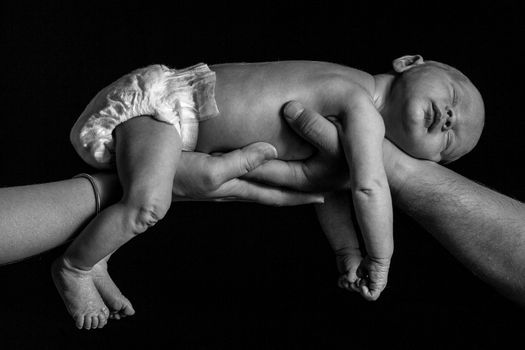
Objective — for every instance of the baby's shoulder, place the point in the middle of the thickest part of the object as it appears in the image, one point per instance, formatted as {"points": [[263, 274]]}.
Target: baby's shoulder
{"points": [[333, 78]]}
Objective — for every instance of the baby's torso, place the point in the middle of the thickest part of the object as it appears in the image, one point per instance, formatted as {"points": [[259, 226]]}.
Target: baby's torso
{"points": [[250, 97]]}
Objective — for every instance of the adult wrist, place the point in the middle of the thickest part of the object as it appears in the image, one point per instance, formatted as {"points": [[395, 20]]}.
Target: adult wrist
{"points": [[109, 186]]}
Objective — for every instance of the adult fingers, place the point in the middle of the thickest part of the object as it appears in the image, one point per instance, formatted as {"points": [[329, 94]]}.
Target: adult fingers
{"points": [[237, 163], [290, 174], [313, 127], [240, 190]]}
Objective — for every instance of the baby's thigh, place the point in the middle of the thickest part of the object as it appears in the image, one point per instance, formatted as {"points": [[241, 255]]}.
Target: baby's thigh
{"points": [[147, 153]]}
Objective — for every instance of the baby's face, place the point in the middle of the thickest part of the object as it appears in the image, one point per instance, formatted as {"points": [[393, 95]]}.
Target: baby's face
{"points": [[434, 113]]}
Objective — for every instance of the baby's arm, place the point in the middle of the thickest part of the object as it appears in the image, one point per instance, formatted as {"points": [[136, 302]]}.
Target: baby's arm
{"points": [[336, 222], [361, 130]]}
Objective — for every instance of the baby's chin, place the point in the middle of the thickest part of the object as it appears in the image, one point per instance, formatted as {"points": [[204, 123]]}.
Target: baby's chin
{"points": [[416, 151], [424, 156]]}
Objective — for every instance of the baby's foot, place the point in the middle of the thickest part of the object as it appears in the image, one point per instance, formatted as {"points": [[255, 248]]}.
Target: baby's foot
{"points": [[79, 294], [373, 273], [118, 304]]}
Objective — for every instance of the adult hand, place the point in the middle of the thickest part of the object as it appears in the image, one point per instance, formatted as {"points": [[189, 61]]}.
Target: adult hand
{"points": [[205, 177], [325, 170]]}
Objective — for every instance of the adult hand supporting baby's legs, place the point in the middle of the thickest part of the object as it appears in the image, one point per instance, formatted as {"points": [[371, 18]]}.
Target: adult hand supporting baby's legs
{"points": [[217, 178], [29, 225]]}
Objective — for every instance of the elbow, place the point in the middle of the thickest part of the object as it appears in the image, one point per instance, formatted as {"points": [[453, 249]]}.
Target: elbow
{"points": [[366, 191], [370, 189]]}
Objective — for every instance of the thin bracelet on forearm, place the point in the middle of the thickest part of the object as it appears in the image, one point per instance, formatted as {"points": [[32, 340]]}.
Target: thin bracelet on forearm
{"points": [[95, 190]]}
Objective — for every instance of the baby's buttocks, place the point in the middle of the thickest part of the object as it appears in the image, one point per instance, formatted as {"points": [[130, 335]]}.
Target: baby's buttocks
{"points": [[181, 98]]}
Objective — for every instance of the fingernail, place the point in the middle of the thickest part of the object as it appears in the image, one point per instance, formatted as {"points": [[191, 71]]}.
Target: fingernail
{"points": [[270, 152], [292, 110]]}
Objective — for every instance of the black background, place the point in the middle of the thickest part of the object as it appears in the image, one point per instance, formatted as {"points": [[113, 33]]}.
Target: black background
{"points": [[245, 275]]}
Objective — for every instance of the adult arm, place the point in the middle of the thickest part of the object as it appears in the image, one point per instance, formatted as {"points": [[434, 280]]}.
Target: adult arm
{"points": [[484, 229], [40, 217]]}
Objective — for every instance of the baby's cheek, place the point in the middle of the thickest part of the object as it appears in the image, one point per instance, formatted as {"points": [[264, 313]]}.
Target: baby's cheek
{"points": [[410, 143], [425, 148]]}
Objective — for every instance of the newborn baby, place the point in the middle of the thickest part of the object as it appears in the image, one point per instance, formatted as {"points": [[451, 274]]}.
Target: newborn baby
{"points": [[428, 109]]}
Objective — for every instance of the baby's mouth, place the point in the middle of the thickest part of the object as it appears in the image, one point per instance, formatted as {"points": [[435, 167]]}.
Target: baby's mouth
{"points": [[436, 118]]}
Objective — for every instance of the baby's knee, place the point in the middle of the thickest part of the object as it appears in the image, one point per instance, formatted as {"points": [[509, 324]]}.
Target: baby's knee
{"points": [[146, 212]]}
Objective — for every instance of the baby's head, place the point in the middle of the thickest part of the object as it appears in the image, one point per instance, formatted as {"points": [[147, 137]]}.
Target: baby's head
{"points": [[432, 110]]}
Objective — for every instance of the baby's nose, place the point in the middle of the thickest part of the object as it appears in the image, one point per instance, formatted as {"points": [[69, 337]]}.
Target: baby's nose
{"points": [[448, 118]]}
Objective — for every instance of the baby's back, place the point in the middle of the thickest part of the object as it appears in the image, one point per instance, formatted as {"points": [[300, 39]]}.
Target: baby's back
{"points": [[250, 97]]}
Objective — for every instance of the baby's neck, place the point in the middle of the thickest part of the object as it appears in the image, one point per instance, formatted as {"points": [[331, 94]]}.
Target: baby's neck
{"points": [[383, 84]]}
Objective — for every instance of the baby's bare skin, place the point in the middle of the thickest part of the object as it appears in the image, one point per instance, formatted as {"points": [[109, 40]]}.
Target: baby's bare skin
{"points": [[90, 296], [81, 297], [119, 306], [250, 98]]}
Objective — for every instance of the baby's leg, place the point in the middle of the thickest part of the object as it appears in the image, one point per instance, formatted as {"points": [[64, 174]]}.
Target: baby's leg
{"points": [[119, 306], [147, 152]]}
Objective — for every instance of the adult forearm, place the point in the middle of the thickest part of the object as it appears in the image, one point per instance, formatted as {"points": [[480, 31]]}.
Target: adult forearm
{"points": [[485, 230], [36, 218]]}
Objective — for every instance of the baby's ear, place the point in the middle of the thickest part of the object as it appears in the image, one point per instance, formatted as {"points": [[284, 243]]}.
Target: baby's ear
{"points": [[404, 63]]}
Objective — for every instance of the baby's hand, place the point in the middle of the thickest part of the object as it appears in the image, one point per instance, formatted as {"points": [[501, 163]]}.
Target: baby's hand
{"points": [[372, 277], [348, 261]]}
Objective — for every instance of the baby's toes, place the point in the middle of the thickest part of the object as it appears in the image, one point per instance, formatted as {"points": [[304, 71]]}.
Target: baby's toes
{"points": [[94, 321], [128, 310], [125, 308], [105, 312], [87, 322], [102, 321], [79, 321]]}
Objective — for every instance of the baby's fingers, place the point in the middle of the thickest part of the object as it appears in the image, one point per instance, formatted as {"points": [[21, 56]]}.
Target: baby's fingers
{"points": [[344, 283], [349, 281], [355, 286], [370, 295]]}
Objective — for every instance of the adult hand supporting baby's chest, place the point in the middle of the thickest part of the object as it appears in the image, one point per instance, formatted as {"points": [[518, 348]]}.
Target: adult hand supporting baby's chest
{"points": [[326, 170], [252, 174]]}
